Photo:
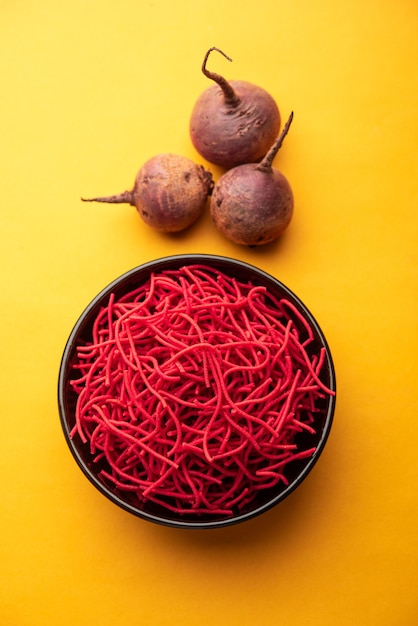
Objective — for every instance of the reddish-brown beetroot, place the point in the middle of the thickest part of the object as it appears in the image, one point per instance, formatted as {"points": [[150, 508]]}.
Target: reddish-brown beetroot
{"points": [[252, 204], [233, 122], [170, 192]]}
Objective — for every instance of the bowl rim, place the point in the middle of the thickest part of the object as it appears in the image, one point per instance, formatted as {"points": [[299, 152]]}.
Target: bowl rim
{"points": [[160, 264]]}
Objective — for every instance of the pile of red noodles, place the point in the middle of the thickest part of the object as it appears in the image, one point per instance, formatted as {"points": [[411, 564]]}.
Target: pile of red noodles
{"points": [[193, 388]]}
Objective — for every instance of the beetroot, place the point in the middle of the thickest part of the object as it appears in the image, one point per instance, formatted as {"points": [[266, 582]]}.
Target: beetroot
{"points": [[252, 204], [233, 122], [170, 192]]}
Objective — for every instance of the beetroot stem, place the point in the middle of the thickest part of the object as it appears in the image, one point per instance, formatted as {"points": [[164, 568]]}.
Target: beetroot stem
{"points": [[231, 98], [266, 163], [126, 197]]}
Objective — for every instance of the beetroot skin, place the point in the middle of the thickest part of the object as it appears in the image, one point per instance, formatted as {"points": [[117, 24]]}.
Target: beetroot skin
{"points": [[170, 192], [233, 122], [252, 207]]}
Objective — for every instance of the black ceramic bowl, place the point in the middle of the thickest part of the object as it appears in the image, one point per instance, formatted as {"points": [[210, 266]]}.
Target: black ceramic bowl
{"points": [[296, 471]]}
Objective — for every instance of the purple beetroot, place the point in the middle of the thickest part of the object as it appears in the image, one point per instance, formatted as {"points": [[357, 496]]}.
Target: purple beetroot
{"points": [[170, 192], [233, 122]]}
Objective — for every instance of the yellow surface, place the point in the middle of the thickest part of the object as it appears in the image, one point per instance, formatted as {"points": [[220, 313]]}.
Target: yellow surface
{"points": [[88, 91]]}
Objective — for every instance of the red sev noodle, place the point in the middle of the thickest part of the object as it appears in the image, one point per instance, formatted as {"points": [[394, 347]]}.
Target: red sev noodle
{"points": [[193, 389]]}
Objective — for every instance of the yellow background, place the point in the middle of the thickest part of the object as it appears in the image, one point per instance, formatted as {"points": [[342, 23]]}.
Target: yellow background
{"points": [[89, 90]]}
